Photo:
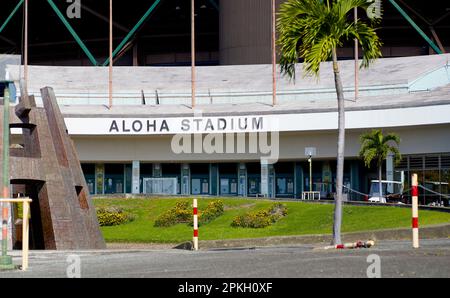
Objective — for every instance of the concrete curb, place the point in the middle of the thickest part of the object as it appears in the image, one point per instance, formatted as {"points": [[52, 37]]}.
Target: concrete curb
{"points": [[363, 203], [428, 232]]}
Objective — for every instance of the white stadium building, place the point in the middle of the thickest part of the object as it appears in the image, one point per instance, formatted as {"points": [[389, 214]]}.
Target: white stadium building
{"points": [[234, 142]]}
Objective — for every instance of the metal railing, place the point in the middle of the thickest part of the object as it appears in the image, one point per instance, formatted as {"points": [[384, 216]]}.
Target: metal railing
{"points": [[310, 195]]}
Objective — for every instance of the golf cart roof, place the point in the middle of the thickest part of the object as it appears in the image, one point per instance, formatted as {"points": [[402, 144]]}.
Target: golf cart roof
{"points": [[386, 181], [437, 182]]}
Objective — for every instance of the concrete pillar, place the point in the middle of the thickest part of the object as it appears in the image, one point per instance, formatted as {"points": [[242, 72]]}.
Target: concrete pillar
{"points": [[135, 176], [185, 179], [214, 179], [267, 179], [264, 178], [245, 32], [272, 181], [242, 191], [390, 171], [99, 178], [298, 180], [135, 55], [354, 177]]}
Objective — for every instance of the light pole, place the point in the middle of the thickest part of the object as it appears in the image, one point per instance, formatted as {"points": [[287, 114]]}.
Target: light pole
{"points": [[310, 173], [310, 152]]}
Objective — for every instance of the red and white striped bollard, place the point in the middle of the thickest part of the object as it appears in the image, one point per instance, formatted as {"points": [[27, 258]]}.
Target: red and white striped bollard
{"points": [[195, 224], [415, 210]]}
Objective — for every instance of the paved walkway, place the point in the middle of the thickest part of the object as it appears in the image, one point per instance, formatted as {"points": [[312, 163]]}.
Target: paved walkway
{"points": [[397, 259]]}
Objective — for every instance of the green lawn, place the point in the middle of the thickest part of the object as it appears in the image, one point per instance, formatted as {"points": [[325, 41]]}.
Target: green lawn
{"points": [[302, 219]]}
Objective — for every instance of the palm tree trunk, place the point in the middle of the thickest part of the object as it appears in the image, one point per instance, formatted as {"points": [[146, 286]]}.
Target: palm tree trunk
{"points": [[340, 154], [380, 177]]}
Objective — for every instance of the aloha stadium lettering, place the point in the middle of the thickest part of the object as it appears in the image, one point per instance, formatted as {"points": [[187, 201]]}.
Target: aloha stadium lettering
{"points": [[193, 125]]}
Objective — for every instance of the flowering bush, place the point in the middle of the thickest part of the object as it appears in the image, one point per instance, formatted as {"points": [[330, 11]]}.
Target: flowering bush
{"points": [[212, 211], [112, 216], [181, 213], [261, 218]]}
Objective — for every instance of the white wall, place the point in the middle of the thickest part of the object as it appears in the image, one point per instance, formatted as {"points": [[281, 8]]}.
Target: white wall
{"points": [[415, 140]]}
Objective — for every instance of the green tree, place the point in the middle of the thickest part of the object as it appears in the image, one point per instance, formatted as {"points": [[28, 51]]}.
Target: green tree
{"points": [[376, 147], [313, 30]]}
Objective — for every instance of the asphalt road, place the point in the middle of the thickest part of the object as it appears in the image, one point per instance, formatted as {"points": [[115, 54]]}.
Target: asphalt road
{"points": [[396, 259]]}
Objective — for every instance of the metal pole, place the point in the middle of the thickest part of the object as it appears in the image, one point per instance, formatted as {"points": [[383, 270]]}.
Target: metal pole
{"points": [[274, 55], [424, 36], [193, 78], [8, 19], [356, 59], [110, 87], [133, 31], [25, 58], [415, 210], [438, 41], [74, 34], [310, 174], [195, 239], [5, 260]]}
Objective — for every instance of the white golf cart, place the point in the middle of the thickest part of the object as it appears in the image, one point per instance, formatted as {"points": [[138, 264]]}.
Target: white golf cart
{"points": [[392, 192]]}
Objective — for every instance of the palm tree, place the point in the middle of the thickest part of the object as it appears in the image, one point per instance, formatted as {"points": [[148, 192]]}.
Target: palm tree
{"points": [[313, 30], [375, 147]]}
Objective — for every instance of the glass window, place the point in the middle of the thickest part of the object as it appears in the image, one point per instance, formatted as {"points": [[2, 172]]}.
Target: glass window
{"points": [[200, 186], [233, 186], [281, 186], [445, 187], [254, 185], [196, 186], [432, 184], [89, 175], [224, 186], [285, 185], [205, 186], [114, 178], [290, 185]]}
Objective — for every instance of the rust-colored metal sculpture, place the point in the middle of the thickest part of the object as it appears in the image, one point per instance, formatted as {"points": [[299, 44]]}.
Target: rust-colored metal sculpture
{"points": [[44, 166]]}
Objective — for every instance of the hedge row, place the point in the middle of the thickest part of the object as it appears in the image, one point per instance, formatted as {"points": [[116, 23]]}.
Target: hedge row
{"points": [[262, 218]]}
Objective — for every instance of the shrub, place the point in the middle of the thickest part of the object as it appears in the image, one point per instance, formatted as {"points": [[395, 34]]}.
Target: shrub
{"points": [[261, 218], [212, 211], [181, 213], [112, 216]]}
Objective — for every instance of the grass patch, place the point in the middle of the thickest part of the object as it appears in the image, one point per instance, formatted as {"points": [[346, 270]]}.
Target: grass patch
{"points": [[302, 219]]}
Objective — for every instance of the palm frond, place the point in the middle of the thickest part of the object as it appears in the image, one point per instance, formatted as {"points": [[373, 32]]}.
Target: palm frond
{"points": [[376, 146], [392, 138], [343, 7], [317, 53], [368, 156], [368, 39], [310, 29], [397, 154]]}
